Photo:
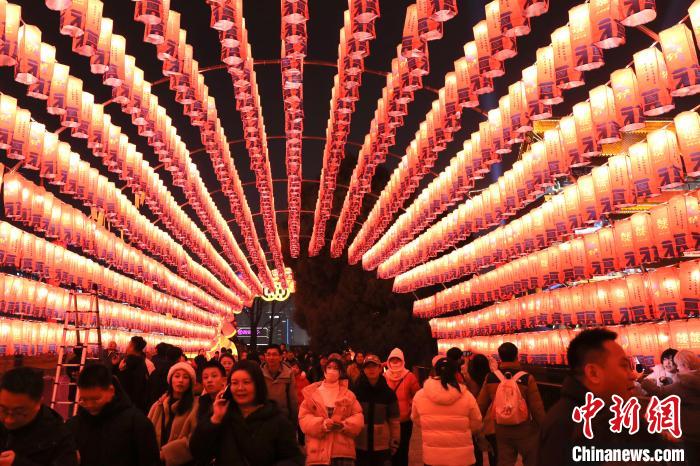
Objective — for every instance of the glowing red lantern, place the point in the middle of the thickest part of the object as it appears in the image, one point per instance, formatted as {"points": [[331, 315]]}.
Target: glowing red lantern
{"points": [[608, 32], [588, 56], [567, 76], [628, 100], [653, 81], [636, 12], [681, 60]]}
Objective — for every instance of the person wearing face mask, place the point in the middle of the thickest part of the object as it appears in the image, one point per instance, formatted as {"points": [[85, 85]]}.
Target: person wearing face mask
{"points": [[173, 416], [331, 418], [245, 428], [405, 385]]}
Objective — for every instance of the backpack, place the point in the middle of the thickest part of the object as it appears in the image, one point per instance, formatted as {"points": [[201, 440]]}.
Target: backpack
{"points": [[509, 406]]}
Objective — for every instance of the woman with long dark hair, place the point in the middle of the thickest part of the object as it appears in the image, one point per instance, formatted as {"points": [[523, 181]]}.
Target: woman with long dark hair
{"points": [[173, 415], [244, 428], [448, 415]]}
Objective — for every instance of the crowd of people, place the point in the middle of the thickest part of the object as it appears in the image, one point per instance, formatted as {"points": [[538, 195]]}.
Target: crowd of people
{"points": [[282, 408]]}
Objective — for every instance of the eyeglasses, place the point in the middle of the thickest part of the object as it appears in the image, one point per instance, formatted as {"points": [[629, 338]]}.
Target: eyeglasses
{"points": [[13, 412]]}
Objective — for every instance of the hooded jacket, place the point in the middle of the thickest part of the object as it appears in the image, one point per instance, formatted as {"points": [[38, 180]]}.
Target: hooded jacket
{"points": [[381, 412], [264, 438], [175, 449], [133, 377], [405, 385], [322, 445], [559, 433], [282, 390], [447, 418], [43, 442], [688, 389], [120, 435]]}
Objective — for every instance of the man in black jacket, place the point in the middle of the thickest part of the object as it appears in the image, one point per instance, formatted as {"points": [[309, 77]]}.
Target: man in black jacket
{"points": [[31, 434], [381, 434], [133, 374], [599, 365], [109, 430]]}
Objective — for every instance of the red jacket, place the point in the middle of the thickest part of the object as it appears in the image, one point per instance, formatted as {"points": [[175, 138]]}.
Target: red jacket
{"points": [[405, 390]]}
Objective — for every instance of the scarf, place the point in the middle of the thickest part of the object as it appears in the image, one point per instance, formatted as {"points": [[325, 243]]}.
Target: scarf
{"points": [[396, 374]]}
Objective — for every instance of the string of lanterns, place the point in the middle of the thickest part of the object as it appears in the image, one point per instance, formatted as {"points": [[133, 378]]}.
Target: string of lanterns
{"points": [[33, 206], [622, 181], [642, 341], [227, 17], [29, 299], [293, 34], [35, 148], [472, 76], [406, 77], [357, 32], [32, 338], [86, 119], [577, 138], [162, 29], [666, 231]]}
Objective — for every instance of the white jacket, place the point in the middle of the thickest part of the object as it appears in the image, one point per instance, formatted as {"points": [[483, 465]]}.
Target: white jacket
{"points": [[447, 418]]}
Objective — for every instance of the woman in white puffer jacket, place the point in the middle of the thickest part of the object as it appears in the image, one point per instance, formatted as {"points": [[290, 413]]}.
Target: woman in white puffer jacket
{"points": [[448, 415]]}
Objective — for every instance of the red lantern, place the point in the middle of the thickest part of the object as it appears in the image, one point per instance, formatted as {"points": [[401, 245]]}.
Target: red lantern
{"points": [[585, 130], [603, 189], [588, 56], [628, 100], [643, 237], [602, 104], [623, 194], [537, 110], [549, 92], [608, 32], [665, 158], [689, 274], [519, 117], [86, 43], [687, 126], [10, 15], [502, 46], [589, 206], [489, 65], [636, 12], [567, 77], [653, 81], [573, 146], [681, 60], [29, 55], [429, 27], [624, 244], [514, 22], [665, 285]]}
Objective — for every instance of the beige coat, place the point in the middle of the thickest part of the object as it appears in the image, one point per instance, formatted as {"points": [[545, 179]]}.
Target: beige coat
{"points": [[176, 450]]}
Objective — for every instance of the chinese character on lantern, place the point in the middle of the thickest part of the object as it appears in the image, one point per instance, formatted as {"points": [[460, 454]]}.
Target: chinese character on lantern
{"points": [[587, 412]]}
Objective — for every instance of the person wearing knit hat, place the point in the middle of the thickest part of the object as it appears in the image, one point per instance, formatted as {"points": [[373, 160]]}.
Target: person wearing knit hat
{"points": [[405, 385], [174, 415]]}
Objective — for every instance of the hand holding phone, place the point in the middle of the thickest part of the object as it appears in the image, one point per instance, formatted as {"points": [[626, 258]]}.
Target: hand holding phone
{"points": [[220, 406]]}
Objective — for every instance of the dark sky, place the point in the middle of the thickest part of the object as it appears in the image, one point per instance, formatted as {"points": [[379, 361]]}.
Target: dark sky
{"points": [[263, 23]]}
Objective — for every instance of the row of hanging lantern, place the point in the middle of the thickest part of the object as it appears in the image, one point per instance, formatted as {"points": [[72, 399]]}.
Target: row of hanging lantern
{"points": [[624, 180], [666, 293], [227, 18], [406, 77], [64, 96], [294, 38], [133, 93], [667, 231], [577, 138], [29, 299], [355, 35], [597, 122], [42, 151], [162, 29], [55, 263], [645, 342], [531, 100], [34, 338], [33, 206]]}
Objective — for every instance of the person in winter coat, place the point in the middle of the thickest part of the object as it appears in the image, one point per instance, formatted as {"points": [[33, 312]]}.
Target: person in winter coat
{"points": [[174, 415], [158, 380], [477, 371], [213, 381], [600, 366], [133, 373], [31, 434], [522, 438], [447, 415], [381, 433], [405, 385], [109, 430], [354, 369], [279, 379], [688, 389], [331, 418], [245, 427]]}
